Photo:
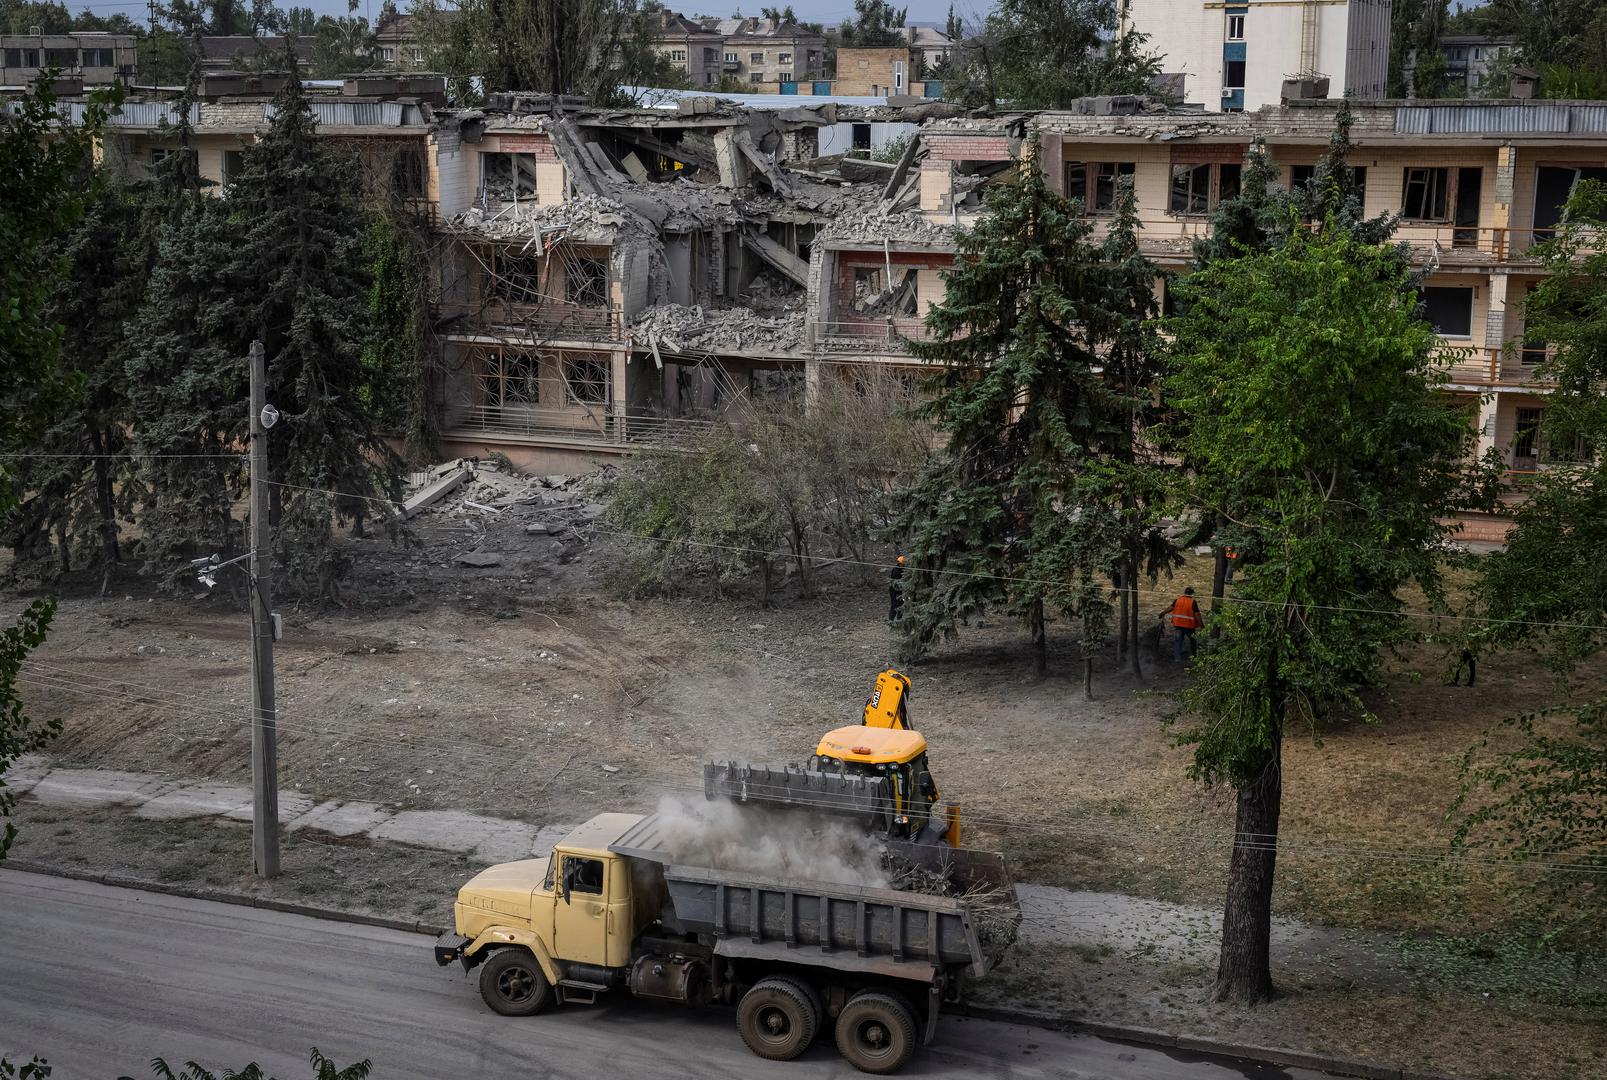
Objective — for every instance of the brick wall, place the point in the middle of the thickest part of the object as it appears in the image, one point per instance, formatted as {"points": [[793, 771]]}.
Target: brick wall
{"points": [[870, 72], [944, 148]]}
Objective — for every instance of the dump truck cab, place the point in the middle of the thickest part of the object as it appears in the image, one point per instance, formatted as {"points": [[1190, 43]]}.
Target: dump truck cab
{"points": [[577, 911]]}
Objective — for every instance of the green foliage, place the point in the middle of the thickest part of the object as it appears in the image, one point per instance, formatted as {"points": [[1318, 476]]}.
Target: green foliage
{"points": [[876, 24], [1024, 509], [300, 287], [696, 518], [1310, 414], [1539, 784], [341, 45], [20, 733], [396, 360], [1044, 54], [1568, 82], [323, 1069], [585, 47], [1414, 48], [44, 185], [778, 481]]}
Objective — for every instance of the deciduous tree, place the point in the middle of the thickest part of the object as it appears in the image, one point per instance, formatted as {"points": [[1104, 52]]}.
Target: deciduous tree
{"points": [[1309, 410]]}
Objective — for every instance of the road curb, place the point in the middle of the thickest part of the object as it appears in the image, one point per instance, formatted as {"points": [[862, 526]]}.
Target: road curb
{"points": [[1270, 1055], [125, 881]]}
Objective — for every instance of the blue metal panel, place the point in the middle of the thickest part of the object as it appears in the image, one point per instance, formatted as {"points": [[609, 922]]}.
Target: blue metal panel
{"points": [[822, 88], [789, 88], [1235, 101], [934, 88], [1233, 50]]}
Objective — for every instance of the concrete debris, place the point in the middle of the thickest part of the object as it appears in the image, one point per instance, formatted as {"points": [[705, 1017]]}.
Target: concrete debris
{"points": [[538, 528], [696, 329], [584, 218], [480, 559], [869, 223], [436, 489]]}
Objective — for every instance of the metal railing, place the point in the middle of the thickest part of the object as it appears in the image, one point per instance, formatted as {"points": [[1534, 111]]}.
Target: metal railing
{"points": [[604, 424], [858, 333], [552, 318], [1512, 365]]}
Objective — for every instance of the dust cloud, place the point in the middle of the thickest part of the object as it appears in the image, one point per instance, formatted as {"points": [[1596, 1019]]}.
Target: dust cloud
{"points": [[790, 845]]}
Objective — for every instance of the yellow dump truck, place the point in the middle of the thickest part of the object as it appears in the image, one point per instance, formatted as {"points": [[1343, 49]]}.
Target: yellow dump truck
{"points": [[609, 912]]}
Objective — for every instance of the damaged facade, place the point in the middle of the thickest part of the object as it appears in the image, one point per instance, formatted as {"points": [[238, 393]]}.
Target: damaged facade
{"points": [[605, 279]]}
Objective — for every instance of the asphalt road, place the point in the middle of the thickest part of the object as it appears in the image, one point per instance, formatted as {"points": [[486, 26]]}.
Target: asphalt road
{"points": [[100, 980]]}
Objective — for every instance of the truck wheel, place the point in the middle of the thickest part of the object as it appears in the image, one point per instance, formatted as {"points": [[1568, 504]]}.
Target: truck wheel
{"points": [[778, 1018], [876, 1032], [512, 983]]}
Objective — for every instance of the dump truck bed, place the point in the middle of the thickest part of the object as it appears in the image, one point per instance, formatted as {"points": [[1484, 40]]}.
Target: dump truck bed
{"points": [[847, 927]]}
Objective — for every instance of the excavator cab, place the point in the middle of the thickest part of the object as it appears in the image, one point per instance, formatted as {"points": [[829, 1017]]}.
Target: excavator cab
{"points": [[888, 704], [899, 756]]}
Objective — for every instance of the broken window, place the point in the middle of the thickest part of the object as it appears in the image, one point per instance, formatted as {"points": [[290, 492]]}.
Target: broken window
{"points": [[861, 136], [1449, 309], [1093, 183], [1554, 184], [61, 58], [507, 177], [99, 58], [876, 297], [234, 162], [407, 173], [587, 379], [1233, 76], [756, 58], [1427, 194], [1191, 189], [586, 282], [28, 58], [1197, 188], [509, 378], [784, 58], [517, 277]]}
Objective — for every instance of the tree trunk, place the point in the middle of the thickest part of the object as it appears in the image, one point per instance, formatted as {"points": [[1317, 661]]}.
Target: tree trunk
{"points": [[1244, 968], [1088, 675], [1040, 641], [1122, 628], [1132, 586], [105, 499], [1219, 585]]}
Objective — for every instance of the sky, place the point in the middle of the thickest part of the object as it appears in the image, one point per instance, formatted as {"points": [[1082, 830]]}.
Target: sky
{"points": [[823, 11]]}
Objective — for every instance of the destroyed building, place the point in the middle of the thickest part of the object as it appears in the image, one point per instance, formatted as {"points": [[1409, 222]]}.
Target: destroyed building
{"points": [[609, 278]]}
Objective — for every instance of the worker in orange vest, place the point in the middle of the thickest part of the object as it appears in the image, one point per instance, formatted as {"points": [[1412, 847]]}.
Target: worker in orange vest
{"points": [[1185, 620]]}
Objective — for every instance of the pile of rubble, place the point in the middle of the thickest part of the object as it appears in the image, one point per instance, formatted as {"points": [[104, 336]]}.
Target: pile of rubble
{"points": [[675, 328], [584, 218], [870, 223], [479, 493]]}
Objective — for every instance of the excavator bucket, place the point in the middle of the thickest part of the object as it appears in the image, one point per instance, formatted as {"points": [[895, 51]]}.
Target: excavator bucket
{"points": [[864, 798]]}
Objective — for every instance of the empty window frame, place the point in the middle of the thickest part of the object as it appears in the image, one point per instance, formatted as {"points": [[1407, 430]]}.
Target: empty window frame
{"points": [[61, 58], [234, 162], [1527, 441], [1426, 195], [509, 378], [1093, 183], [586, 282], [28, 58], [1233, 75], [757, 76], [407, 173], [784, 58], [588, 379], [860, 136], [507, 177], [517, 278], [756, 58], [1449, 309], [99, 58], [874, 298], [1235, 27], [1196, 189]]}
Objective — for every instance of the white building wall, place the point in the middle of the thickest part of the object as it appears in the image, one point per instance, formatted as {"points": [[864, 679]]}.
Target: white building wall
{"points": [[1352, 44]]}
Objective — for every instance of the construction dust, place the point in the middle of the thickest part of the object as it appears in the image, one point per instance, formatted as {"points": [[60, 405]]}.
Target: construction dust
{"points": [[785, 845]]}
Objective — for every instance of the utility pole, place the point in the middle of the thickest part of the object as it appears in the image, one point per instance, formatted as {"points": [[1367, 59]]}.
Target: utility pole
{"points": [[264, 748]]}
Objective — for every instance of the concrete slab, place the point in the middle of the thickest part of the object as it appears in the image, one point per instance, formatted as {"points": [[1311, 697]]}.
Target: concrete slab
{"points": [[454, 830], [342, 818], [291, 806], [24, 773], [98, 787], [198, 800]]}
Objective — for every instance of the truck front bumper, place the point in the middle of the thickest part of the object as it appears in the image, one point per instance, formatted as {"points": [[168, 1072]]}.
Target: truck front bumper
{"points": [[450, 947]]}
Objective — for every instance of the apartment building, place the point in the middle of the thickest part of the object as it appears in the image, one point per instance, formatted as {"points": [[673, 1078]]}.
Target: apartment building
{"points": [[768, 51], [97, 59], [1235, 55], [692, 47], [1470, 57]]}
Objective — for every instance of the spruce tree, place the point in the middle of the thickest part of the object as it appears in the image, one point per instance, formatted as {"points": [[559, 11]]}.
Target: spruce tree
{"points": [[1021, 511], [301, 286]]}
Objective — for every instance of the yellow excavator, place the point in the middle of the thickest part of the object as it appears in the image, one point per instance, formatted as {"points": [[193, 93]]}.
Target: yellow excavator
{"points": [[875, 770]]}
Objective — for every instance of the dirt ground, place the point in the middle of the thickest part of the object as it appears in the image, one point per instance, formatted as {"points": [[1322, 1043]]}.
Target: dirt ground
{"points": [[524, 690]]}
